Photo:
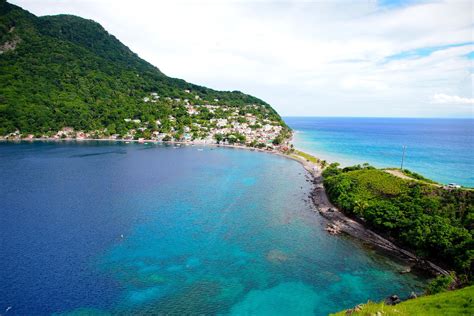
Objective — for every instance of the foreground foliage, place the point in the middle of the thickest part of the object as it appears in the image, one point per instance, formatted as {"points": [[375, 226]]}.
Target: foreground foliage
{"points": [[433, 222], [459, 302]]}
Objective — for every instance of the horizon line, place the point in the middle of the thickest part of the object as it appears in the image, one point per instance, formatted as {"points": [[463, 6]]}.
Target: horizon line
{"points": [[382, 117]]}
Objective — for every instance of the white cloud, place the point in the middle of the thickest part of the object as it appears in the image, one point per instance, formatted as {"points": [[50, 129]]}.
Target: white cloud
{"points": [[442, 98], [303, 57]]}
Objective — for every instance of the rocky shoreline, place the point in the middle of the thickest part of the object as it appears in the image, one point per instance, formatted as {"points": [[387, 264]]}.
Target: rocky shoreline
{"points": [[340, 223]]}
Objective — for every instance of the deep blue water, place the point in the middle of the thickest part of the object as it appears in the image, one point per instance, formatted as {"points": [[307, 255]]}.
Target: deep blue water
{"points": [[440, 149], [204, 232]]}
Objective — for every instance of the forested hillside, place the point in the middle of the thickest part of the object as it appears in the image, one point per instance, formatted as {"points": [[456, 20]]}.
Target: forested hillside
{"points": [[65, 71], [435, 222]]}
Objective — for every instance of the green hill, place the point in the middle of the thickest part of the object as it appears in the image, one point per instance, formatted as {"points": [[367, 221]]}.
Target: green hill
{"points": [[435, 222], [63, 70]]}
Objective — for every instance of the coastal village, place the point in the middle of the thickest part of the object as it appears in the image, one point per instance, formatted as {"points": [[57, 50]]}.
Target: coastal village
{"points": [[196, 121]]}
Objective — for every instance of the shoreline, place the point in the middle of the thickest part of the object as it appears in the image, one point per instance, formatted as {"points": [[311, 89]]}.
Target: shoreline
{"points": [[344, 224], [336, 218]]}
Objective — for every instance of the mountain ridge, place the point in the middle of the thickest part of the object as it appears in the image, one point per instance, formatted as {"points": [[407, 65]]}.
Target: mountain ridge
{"points": [[65, 71]]}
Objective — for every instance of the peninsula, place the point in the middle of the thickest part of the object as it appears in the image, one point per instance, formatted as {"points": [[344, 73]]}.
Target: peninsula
{"points": [[67, 78]]}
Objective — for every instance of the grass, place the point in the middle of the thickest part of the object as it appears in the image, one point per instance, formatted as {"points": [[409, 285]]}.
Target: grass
{"points": [[413, 175], [306, 156], [458, 302], [379, 182], [417, 176]]}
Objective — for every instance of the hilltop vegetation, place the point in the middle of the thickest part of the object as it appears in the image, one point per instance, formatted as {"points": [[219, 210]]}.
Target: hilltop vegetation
{"points": [[434, 222], [65, 71]]}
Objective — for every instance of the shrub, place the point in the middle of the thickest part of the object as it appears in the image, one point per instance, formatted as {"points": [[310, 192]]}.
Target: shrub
{"points": [[440, 284]]}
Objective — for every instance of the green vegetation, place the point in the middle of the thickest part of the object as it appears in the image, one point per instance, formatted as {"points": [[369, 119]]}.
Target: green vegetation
{"points": [[417, 176], [433, 222], [459, 302], [414, 175], [306, 156], [231, 138], [65, 71], [440, 284]]}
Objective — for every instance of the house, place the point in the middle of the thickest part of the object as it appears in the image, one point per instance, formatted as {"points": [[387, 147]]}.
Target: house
{"points": [[267, 127], [219, 122], [454, 186], [146, 99], [191, 110]]}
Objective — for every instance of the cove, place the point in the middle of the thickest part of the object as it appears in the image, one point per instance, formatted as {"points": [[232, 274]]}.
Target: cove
{"points": [[103, 227]]}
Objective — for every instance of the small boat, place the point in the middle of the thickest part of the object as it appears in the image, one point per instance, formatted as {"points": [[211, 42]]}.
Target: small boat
{"points": [[200, 149]]}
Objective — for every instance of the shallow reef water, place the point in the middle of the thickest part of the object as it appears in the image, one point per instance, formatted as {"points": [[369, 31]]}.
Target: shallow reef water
{"points": [[96, 228]]}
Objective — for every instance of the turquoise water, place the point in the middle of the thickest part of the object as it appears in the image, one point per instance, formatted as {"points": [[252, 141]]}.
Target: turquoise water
{"points": [[440, 149], [145, 229]]}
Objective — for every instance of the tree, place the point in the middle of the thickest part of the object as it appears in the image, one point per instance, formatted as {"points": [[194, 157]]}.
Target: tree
{"points": [[218, 137]]}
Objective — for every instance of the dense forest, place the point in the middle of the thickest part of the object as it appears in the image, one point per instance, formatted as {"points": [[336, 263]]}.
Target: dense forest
{"points": [[435, 222], [63, 70]]}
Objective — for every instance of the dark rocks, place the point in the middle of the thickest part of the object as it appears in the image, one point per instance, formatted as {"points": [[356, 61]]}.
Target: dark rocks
{"points": [[392, 300], [412, 295]]}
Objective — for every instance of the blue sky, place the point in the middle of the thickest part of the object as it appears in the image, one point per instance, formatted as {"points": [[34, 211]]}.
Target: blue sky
{"points": [[306, 58], [427, 51], [398, 3]]}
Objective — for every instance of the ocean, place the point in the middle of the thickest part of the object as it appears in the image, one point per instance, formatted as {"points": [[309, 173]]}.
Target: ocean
{"points": [[440, 149], [92, 228]]}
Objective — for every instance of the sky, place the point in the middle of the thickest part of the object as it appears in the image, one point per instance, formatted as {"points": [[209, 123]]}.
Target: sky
{"points": [[387, 58]]}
